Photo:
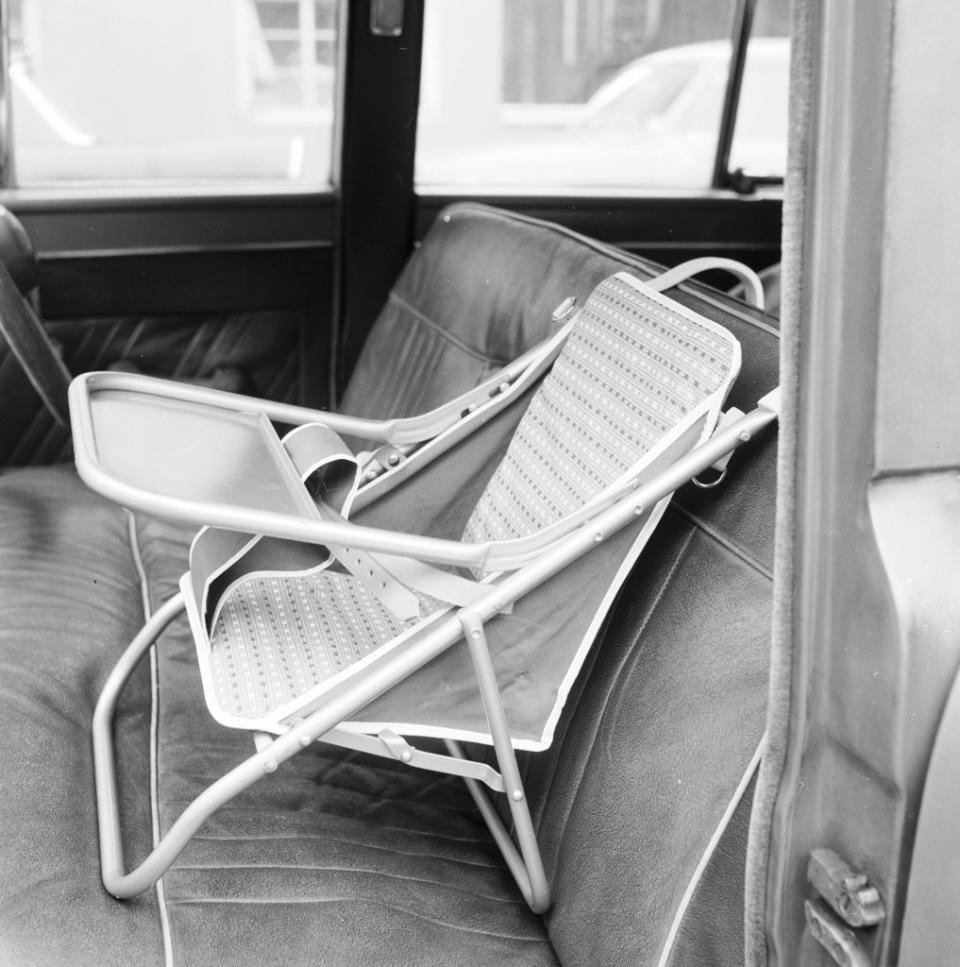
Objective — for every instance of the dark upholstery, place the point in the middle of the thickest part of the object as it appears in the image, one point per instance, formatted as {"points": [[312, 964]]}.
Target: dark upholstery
{"points": [[17, 252], [338, 859]]}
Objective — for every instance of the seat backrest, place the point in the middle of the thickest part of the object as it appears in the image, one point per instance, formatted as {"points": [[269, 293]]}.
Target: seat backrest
{"points": [[641, 802], [633, 369]]}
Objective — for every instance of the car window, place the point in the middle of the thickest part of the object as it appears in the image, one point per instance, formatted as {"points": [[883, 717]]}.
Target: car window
{"points": [[759, 146], [124, 92], [760, 135], [528, 96]]}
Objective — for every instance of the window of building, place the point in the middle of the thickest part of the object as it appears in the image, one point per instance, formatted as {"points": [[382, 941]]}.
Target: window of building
{"points": [[294, 52]]}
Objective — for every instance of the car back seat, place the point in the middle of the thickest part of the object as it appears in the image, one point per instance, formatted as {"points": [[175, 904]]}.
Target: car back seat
{"points": [[641, 803]]}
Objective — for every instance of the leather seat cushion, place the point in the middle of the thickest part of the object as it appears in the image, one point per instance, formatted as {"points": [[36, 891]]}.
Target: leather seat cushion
{"points": [[334, 860]]}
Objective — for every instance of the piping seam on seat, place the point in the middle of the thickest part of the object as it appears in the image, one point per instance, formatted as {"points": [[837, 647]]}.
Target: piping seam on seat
{"points": [[362, 844], [443, 334], [165, 930], [705, 858], [493, 898], [715, 535], [621, 255], [353, 901]]}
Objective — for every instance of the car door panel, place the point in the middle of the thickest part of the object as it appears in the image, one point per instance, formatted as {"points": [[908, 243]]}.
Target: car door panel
{"points": [[236, 293]]}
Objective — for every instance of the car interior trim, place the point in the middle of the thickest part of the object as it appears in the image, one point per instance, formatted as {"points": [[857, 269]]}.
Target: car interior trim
{"points": [[51, 255], [759, 877]]}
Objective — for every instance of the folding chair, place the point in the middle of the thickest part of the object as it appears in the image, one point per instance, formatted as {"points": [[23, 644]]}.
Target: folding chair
{"points": [[524, 502]]}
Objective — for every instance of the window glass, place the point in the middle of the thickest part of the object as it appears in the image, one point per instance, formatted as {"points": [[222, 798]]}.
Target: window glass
{"points": [[123, 92], [759, 144], [560, 94]]}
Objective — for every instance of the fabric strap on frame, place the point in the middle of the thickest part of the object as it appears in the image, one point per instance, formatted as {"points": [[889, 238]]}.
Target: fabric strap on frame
{"points": [[392, 579], [326, 465]]}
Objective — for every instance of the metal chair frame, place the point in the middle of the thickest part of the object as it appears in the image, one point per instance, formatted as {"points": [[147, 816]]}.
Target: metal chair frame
{"points": [[523, 857], [526, 563]]}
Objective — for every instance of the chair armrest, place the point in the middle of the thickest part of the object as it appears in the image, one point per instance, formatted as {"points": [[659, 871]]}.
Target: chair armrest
{"points": [[282, 508], [377, 430]]}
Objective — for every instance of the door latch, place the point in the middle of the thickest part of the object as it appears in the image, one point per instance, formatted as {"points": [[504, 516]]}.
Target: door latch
{"points": [[847, 891], [847, 903]]}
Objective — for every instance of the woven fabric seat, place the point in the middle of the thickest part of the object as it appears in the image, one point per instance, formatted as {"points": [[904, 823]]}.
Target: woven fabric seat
{"points": [[633, 369], [277, 637]]}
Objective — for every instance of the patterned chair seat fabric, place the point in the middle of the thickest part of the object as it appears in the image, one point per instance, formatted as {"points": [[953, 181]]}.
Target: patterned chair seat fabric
{"points": [[276, 637]]}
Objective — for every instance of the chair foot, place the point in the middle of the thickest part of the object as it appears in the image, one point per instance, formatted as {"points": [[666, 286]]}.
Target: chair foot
{"points": [[108, 811], [525, 864]]}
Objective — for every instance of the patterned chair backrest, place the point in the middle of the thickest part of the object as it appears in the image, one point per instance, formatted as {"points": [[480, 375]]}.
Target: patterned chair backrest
{"points": [[633, 369]]}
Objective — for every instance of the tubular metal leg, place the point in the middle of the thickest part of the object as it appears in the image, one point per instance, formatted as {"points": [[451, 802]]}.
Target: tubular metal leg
{"points": [[264, 763], [125, 885], [108, 811], [525, 865]]}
